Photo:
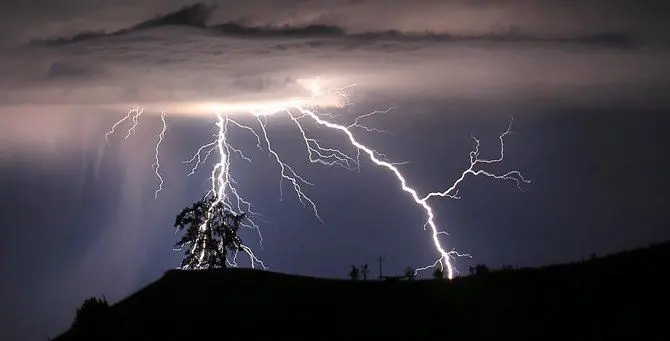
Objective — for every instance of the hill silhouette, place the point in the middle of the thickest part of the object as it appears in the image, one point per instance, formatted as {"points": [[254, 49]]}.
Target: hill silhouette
{"points": [[621, 296]]}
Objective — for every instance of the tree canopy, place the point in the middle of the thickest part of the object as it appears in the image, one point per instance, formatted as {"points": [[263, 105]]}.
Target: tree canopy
{"points": [[211, 231], [91, 315]]}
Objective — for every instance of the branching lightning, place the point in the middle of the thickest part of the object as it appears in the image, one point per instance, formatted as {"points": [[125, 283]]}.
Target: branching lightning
{"points": [[133, 114], [223, 186]]}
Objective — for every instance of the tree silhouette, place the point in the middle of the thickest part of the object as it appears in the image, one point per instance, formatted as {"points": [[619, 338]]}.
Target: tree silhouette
{"points": [[410, 273], [211, 231], [438, 273], [354, 273], [364, 271], [91, 315], [481, 269]]}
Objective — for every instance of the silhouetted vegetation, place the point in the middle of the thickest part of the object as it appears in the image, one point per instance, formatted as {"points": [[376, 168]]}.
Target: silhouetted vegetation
{"points": [[211, 231], [479, 269], [365, 271], [438, 273], [410, 273], [91, 316], [354, 273], [614, 297]]}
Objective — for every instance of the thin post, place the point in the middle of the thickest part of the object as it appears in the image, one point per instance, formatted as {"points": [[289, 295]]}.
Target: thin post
{"points": [[380, 259]]}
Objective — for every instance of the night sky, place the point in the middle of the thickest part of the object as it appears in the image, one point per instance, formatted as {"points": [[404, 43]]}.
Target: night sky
{"points": [[586, 82]]}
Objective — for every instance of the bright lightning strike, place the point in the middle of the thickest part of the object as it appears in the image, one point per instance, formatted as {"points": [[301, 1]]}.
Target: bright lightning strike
{"points": [[223, 186], [133, 114], [157, 164]]}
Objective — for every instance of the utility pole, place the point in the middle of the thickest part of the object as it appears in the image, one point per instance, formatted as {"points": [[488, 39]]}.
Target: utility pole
{"points": [[380, 259]]}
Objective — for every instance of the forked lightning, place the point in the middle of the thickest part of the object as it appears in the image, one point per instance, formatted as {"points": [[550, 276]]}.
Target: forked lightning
{"points": [[223, 185]]}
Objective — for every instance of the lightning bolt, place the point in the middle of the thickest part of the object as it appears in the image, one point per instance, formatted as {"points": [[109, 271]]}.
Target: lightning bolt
{"points": [[133, 114], [157, 164], [451, 192], [223, 186]]}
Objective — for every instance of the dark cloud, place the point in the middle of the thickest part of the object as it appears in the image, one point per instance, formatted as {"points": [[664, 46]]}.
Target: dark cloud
{"points": [[60, 69], [197, 15], [547, 18]]}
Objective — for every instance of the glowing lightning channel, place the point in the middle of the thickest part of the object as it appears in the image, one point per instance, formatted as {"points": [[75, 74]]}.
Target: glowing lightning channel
{"points": [[222, 183], [223, 186], [134, 113], [157, 164], [136, 120], [451, 192], [287, 173]]}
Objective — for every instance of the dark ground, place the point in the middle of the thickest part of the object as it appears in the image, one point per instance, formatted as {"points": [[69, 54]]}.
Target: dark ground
{"points": [[622, 296]]}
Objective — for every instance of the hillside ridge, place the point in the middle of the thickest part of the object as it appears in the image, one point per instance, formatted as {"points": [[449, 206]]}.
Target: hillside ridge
{"points": [[608, 297]]}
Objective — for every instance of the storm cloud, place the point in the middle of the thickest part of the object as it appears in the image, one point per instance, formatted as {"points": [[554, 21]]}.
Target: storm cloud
{"points": [[190, 55], [577, 76]]}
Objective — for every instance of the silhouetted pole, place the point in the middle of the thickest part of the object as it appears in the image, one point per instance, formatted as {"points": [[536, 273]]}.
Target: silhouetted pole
{"points": [[380, 259]]}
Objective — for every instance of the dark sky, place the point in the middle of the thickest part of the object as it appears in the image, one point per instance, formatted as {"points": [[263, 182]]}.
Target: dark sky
{"points": [[586, 83]]}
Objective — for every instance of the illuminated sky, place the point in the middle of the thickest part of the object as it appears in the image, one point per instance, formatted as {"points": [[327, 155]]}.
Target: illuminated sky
{"points": [[586, 82]]}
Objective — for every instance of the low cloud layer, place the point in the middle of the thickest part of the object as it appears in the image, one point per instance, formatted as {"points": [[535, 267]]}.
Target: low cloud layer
{"points": [[186, 55]]}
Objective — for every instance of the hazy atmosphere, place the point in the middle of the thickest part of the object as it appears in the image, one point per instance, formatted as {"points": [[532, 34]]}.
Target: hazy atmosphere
{"points": [[586, 83]]}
